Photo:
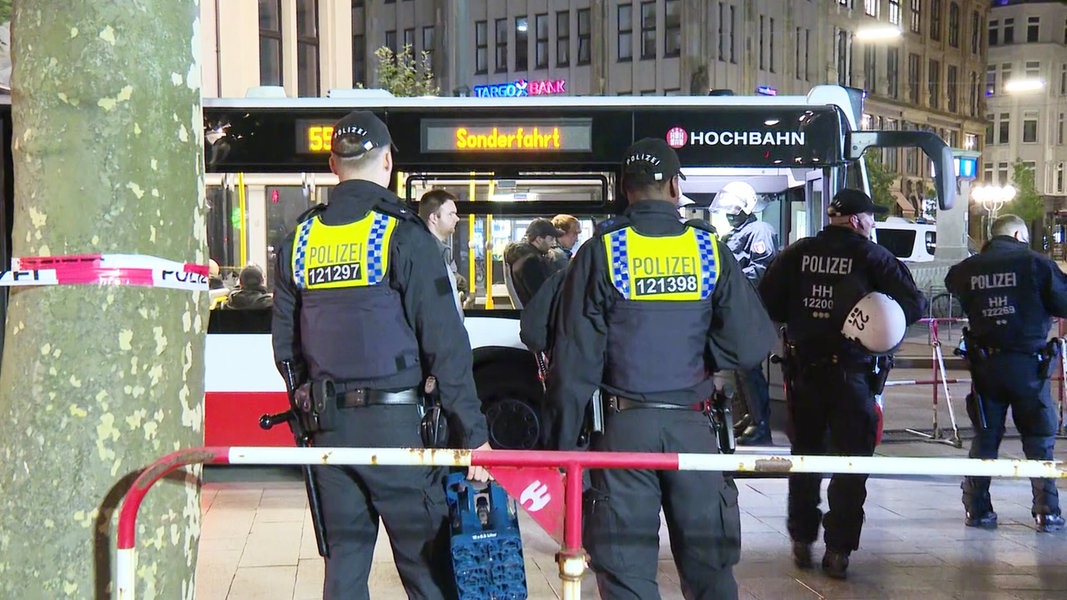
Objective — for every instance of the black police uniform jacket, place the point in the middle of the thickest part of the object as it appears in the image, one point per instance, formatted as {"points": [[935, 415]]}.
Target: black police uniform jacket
{"points": [[652, 351], [815, 282], [754, 245], [388, 336], [1010, 294]]}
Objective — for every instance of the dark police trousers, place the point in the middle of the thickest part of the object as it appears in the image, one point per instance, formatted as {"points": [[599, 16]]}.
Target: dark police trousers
{"points": [[622, 511], [839, 399], [757, 396], [1011, 379], [409, 500]]}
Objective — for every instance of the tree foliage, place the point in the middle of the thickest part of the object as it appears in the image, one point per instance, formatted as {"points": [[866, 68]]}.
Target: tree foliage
{"points": [[404, 74], [1028, 203], [5, 11], [881, 181]]}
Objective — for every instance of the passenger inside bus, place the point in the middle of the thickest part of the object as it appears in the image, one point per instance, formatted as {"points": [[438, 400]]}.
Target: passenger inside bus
{"points": [[251, 293], [528, 263]]}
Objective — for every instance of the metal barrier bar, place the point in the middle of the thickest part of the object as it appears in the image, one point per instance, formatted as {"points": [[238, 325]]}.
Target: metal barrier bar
{"points": [[571, 557]]}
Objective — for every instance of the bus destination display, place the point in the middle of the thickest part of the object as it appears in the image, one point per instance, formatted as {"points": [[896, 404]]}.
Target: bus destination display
{"points": [[507, 135]]}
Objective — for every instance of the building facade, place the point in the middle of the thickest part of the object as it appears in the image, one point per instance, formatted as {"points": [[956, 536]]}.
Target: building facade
{"points": [[928, 78], [1026, 94]]}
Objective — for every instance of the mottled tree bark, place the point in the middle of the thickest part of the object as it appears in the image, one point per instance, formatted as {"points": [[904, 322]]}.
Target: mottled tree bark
{"points": [[99, 381]]}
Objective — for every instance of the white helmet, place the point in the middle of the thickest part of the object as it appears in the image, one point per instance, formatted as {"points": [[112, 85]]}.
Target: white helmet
{"points": [[876, 322], [734, 197]]}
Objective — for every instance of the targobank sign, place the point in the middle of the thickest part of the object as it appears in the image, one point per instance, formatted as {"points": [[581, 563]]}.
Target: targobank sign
{"points": [[521, 87]]}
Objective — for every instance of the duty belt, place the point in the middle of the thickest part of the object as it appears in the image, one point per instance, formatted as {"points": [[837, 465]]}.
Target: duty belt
{"points": [[619, 404], [366, 397]]}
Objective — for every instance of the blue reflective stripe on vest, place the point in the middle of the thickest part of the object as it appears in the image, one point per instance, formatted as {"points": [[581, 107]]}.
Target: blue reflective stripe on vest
{"points": [[708, 268], [375, 248], [299, 259], [620, 270]]}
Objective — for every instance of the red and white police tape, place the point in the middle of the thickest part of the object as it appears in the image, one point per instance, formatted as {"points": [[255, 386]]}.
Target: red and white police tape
{"points": [[534, 478], [105, 269]]}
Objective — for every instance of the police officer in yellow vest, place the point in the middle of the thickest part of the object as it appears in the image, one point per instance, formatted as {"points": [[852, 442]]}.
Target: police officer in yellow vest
{"points": [[362, 309], [650, 308]]}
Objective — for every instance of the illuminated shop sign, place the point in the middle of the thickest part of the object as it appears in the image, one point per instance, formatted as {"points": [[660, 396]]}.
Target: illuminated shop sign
{"points": [[766, 90], [507, 135], [521, 87]]}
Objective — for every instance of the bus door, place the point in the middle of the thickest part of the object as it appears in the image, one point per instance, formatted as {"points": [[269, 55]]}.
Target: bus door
{"points": [[495, 211], [249, 214]]}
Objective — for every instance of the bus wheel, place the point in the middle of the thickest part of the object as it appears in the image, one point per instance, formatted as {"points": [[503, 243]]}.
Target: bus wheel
{"points": [[513, 424]]}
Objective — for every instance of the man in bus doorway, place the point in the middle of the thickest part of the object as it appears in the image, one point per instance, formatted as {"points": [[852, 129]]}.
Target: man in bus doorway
{"points": [[754, 244], [649, 309], [361, 314], [1010, 294], [437, 208], [561, 255], [527, 261], [831, 380]]}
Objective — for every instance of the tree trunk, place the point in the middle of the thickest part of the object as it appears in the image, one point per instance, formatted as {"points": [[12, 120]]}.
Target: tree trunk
{"points": [[99, 381]]}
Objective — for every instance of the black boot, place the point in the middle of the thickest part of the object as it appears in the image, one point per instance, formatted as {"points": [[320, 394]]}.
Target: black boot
{"points": [[757, 434], [1049, 523], [835, 564]]}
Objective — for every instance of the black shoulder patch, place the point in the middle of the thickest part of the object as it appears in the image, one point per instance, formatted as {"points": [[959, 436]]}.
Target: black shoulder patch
{"points": [[311, 212], [613, 224]]}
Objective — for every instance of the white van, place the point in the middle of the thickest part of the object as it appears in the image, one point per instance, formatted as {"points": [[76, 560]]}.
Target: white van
{"points": [[910, 242]]}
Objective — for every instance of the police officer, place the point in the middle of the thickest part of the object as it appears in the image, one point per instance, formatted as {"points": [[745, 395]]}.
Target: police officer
{"points": [[649, 308], [811, 287], [754, 244], [361, 306], [1010, 293]]}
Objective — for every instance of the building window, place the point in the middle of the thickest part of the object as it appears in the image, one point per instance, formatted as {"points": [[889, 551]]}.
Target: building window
{"points": [[390, 40], [843, 49], [625, 17], [522, 43], [1059, 130], [563, 38], [891, 156], [987, 172], [427, 39], [935, 20], [771, 45], [1033, 28], [762, 42], [990, 129], [1009, 31], [994, 32], [1063, 79], [952, 87], [894, 12], [870, 68], [585, 34], [991, 80], [672, 29], [892, 63], [970, 141], [501, 45], [1033, 69], [481, 47], [270, 42], [976, 33], [359, 59], [1059, 178], [870, 8], [1003, 128], [409, 38], [974, 95], [648, 30], [1030, 126], [722, 37], [733, 28], [1005, 74], [307, 48], [954, 25], [916, 24], [933, 75], [541, 47], [914, 77], [1002, 173]]}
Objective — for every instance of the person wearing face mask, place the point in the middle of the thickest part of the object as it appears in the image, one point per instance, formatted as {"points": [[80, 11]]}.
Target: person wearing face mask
{"points": [[1010, 294], [754, 244], [814, 286]]}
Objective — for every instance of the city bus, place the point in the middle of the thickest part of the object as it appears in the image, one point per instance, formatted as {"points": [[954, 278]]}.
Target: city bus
{"points": [[508, 161]]}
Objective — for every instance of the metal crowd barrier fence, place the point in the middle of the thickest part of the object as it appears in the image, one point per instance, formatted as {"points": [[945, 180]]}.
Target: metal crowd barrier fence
{"points": [[940, 382], [571, 558]]}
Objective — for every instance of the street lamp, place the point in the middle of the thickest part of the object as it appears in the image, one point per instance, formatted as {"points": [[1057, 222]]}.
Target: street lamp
{"points": [[992, 198]]}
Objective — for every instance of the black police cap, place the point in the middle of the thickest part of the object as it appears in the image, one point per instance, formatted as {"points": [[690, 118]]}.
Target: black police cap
{"points": [[359, 132], [851, 201]]}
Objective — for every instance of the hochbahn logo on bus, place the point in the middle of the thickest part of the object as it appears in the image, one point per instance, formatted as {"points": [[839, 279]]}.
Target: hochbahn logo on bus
{"points": [[678, 137]]}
